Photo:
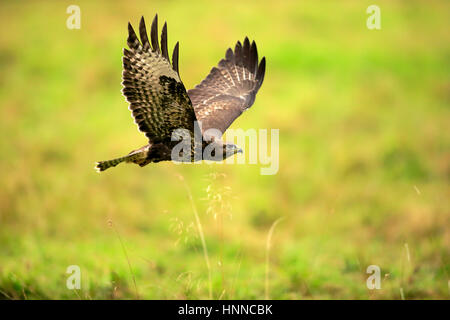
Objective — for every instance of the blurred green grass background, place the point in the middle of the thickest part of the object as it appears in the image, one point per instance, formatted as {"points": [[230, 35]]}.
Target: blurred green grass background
{"points": [[364, 155]]}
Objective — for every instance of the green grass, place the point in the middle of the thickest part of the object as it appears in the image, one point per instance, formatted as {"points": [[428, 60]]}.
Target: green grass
{"points": [[364, 155]]}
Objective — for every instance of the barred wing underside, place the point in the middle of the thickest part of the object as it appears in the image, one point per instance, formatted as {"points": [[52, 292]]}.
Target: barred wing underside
{"points": [[157, 97], [230, 88]]}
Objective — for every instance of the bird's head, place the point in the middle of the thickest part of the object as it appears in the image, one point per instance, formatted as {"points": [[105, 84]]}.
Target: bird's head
{"points": [[218, 149], [230, 149]]}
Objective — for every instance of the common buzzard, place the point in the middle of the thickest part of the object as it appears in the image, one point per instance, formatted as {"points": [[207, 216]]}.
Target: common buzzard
{"points": [[160, 103]]}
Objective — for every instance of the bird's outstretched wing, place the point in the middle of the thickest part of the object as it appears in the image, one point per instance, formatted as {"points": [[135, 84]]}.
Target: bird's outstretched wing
{"points": [[230, 88], [157, 97]]}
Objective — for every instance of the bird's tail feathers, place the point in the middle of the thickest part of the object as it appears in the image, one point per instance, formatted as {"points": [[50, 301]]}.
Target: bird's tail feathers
{"points": [[133, 156]]}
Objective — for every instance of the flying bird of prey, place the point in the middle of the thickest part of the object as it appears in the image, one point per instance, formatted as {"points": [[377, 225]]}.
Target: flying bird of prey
{"points": [[160, 103]]}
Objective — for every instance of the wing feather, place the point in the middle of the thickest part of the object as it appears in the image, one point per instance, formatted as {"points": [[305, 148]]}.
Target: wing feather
{"points": [[261, 72], [154, 34], [230, 88], [164, 50], [175, 58], [143, 34], [158, 99]]}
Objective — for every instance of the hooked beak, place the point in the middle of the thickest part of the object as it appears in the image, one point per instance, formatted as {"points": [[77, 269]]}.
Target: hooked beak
{"points": [[239, 150]]}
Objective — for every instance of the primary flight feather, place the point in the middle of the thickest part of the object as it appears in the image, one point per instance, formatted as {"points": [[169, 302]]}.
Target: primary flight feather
{"points": [[160, 104]]}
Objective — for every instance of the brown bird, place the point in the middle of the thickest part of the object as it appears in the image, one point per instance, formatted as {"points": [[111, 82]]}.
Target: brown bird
{"points": [[167, 114]]}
